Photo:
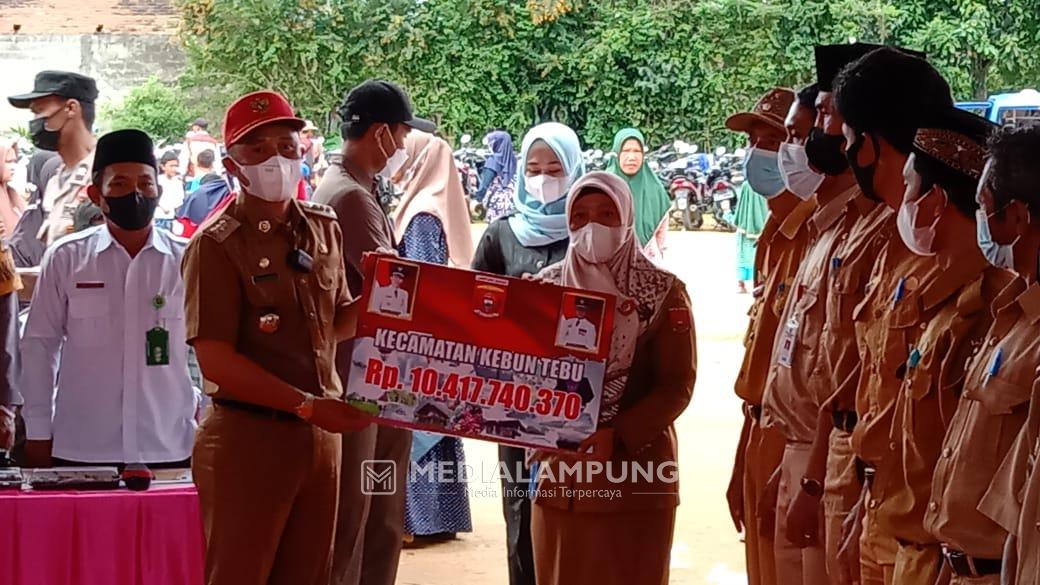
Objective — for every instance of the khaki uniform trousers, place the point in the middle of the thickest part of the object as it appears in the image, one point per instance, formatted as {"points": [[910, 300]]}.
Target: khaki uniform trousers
{"points": [[795, 566], [841, 490], [877, 550], [268, 491], [917, 563], [763, 452], [370, 528]]}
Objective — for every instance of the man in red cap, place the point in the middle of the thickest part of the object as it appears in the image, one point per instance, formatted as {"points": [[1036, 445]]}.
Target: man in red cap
{"points": [[266, 302]]}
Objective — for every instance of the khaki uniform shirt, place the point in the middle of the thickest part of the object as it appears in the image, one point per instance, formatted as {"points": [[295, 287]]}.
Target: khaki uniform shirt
{"points": [[64, 192], [955, 317], [888, 326], [991, 413], [780, 250], [240, 289], [852, 263], [1013, 499], [791, 400]]}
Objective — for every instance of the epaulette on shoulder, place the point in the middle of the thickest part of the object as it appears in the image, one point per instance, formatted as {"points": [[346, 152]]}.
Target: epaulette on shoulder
{"points": [[318, 209], [220, 227]]}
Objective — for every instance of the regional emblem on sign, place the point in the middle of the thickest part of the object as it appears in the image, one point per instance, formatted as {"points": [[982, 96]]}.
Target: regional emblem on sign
{"points": [[489, 300]]}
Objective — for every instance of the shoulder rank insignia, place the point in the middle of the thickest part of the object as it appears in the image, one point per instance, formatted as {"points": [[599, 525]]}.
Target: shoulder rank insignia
{"points": [[221, 227], [318, 209]]}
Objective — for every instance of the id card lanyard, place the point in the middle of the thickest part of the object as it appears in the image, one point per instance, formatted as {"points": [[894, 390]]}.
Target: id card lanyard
{"points": [[157, 339]]}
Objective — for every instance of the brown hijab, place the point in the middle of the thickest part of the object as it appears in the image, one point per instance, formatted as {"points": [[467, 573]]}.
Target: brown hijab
{"points": [[431, 185]]}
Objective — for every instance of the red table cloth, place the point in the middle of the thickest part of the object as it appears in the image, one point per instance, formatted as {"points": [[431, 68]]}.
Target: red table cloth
{"points": [[101, 538]]}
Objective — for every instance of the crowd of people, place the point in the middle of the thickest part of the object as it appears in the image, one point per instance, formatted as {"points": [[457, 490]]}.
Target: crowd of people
{"points": [[242, 286], [887, 380], [891, 354]]}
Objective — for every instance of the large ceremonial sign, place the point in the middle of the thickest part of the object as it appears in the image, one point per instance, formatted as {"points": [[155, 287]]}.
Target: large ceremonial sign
{"points": [[472, 354]]}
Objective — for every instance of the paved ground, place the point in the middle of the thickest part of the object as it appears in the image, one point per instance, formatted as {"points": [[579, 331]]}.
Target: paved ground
{"points": [[706, 550]]}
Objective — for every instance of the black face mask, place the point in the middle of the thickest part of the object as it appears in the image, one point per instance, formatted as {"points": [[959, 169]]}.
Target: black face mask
{"points": [[132, 211], [864, 175], [824, 152], [41, 137]]}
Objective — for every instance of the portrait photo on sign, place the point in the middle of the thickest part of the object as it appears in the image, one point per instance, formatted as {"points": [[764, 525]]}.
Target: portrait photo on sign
{"points": [[580, 320], [393, 292]]}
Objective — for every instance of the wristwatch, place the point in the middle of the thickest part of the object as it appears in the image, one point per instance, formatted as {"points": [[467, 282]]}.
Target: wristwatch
{"points": [[305, 409], [812, 487]]}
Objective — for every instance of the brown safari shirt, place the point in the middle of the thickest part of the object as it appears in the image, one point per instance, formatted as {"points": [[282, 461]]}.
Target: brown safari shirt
{"points": [[780, 250], [790, 403], [990, 414], [955, 320], [241, 289]]}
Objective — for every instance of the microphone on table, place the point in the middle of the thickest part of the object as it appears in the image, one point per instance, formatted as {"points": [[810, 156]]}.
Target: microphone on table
{"points": [[137, 477]]}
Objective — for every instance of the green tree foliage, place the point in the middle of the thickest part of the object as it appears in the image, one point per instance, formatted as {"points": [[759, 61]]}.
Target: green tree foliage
{"points": [[674, 68], [157, 108]]}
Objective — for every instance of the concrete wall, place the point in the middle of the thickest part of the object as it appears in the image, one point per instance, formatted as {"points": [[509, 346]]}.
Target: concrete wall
{"points": [[118, 61]]}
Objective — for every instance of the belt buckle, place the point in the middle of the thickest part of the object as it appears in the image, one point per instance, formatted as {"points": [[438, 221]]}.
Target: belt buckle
{"points": [[961, 564]]}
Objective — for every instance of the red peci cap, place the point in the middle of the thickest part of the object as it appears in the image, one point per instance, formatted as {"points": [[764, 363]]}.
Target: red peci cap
{"points": [[256, 109]]}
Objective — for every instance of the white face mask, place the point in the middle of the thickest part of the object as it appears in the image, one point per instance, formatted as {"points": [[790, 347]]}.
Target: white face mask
{"points": [[597, 243], [999, 255], [799, 178], [275, 179], [546, 188], [394, 161], [920, 240]]}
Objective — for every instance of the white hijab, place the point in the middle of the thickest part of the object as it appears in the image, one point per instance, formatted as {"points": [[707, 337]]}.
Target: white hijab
{"points": [[639, 285]]}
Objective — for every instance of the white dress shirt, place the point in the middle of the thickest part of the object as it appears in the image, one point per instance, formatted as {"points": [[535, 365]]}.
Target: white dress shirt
{"points": [[391, 299], [579, 333], [172, 196], [87, 325]]}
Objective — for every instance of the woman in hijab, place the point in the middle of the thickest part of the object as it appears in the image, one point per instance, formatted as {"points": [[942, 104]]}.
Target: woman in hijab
{"points": [[11, 203], [432, 224], [532, 237], [623, 538], [648, 194], [498, 178], [751, 215], [431, 220]]}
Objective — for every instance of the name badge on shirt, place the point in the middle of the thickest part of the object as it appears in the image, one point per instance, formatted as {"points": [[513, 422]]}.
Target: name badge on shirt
{"points": [[787, 342], [157, 341], [90, 285]]}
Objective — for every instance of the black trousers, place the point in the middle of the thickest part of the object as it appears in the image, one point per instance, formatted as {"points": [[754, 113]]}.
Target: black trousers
{"points": [[517, 508]]}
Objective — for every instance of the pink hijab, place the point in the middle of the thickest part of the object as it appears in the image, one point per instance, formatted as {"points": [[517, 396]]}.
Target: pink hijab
{"points": [[11, 205], [431, 185], [639, 285]]}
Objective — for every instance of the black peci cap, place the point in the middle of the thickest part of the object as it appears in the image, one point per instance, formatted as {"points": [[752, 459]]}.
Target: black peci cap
{"points": [[397, 271], [60, 83], [124, 146], [380, 102], [831, 59]]}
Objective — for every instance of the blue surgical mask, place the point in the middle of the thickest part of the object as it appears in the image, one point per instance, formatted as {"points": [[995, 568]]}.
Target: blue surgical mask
{"points": [[999, 255], [762, 171]]}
